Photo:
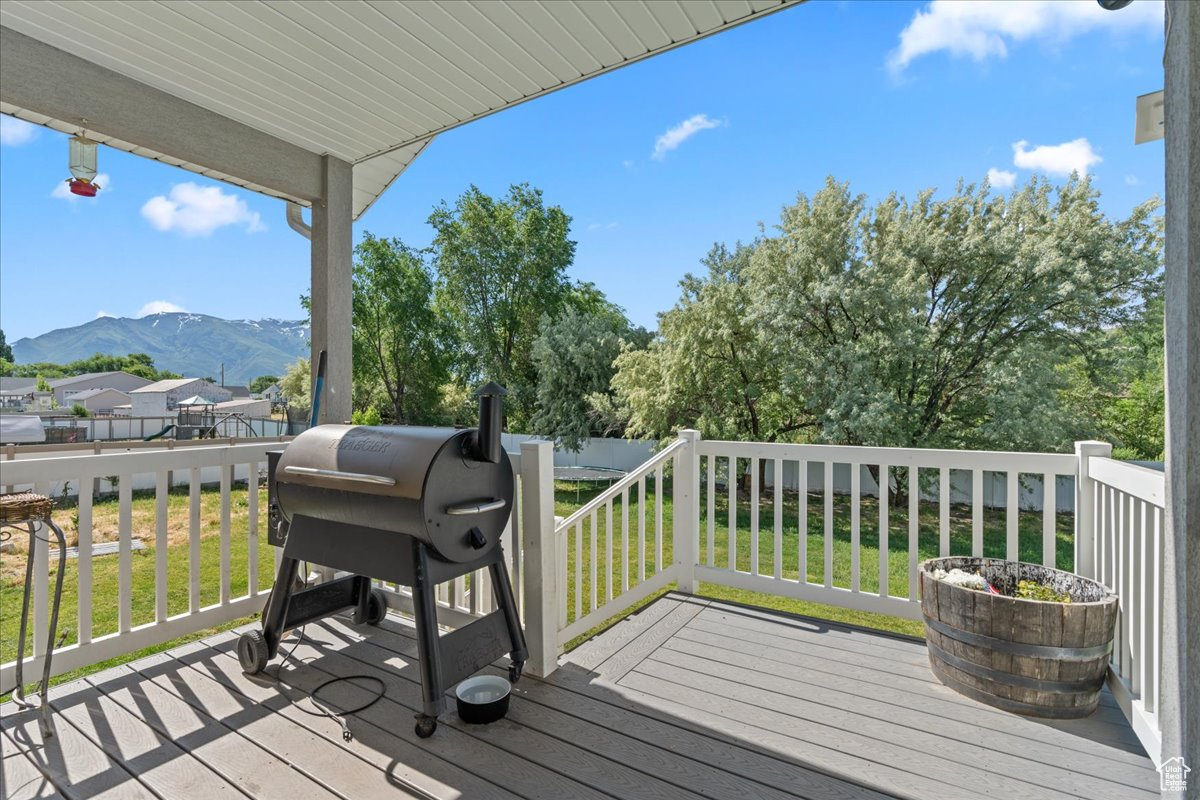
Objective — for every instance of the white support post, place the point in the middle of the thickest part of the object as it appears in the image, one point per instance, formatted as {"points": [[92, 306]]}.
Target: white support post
{"points": [[686, 502], [332, 287], [1179, 698], [1086, 538], [542, 597]]}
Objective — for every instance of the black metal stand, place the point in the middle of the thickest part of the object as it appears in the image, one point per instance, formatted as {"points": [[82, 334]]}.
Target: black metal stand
{"points": [[44, 688], [445, 659]]}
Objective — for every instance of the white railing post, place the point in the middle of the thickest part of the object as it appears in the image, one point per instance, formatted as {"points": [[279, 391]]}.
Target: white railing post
{"points": [[1086, 535], [686, 500], [542, 597]]}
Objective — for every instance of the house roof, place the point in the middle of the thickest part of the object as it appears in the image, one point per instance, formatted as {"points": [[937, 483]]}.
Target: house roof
{"points": [[87, 394], [58, 383], [237, 391], [368, 83], [17, 385], [238, 402], [167, 385]]}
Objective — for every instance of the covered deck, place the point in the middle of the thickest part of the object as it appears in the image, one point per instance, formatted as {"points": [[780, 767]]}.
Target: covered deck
{"points": [[688, 698]]}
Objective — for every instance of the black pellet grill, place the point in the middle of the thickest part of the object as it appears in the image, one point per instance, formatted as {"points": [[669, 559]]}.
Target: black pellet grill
{"points": [[410, 505]]}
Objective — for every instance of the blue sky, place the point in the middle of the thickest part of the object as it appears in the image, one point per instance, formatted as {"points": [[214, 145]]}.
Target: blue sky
{"points": [[890, 96]]}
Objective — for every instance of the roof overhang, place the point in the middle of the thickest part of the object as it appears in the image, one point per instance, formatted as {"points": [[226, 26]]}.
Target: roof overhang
{"points": [[255, 93]]}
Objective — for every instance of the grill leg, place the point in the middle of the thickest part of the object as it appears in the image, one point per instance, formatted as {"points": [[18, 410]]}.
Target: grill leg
{"points": [[425, 612], [504, 598], [275, 614]]}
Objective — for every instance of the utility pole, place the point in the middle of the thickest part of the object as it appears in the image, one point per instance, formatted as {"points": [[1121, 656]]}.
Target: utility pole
{"points": [[222, 373]]}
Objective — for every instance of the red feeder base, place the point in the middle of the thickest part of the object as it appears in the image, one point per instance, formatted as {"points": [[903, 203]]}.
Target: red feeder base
{"points": [[83, 188]]}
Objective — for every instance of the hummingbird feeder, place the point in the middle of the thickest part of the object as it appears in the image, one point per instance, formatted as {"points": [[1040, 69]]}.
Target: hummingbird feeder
{"points": [[82, 162]]}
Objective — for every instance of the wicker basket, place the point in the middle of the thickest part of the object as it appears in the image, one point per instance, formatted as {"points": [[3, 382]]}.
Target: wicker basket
{"points": [[24, 507]]}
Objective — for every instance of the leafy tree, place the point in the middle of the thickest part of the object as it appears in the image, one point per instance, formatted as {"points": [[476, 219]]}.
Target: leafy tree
{"points": [[501, 266], [43, 385], [80, 410], [6, 353], [574, 356], [400, 340], [940, 322], [295, 384], [368, 416], [710, 366], [262, 383]]}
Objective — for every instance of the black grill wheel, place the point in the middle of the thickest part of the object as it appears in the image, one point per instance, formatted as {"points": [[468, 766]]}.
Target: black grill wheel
{"points": [[252, 652]]}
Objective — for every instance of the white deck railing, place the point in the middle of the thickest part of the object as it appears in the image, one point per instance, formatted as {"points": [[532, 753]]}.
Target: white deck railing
{"points": [[680, 518], [1126, 503]]}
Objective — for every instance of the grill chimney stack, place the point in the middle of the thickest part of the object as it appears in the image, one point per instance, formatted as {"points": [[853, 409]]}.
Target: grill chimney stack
{"points": [[491, 422]]}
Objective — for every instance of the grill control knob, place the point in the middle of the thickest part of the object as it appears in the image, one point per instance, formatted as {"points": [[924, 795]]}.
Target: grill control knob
{"points": [[476, 539]]}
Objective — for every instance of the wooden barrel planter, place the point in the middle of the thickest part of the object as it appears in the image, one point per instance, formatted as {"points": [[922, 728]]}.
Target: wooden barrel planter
{"points": [[1033, 657]]}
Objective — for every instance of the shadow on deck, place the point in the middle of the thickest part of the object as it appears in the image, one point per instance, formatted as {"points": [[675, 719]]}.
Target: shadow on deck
{"points": [[689, 698]]}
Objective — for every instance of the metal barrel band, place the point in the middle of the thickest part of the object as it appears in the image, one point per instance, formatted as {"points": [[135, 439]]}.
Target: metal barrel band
{"points": [[1008, 678], [1015, 706], [1020, 648]]}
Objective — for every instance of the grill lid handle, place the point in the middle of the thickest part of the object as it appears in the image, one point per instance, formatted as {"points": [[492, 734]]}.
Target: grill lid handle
{"points": [[337, 475], [476, 507]]}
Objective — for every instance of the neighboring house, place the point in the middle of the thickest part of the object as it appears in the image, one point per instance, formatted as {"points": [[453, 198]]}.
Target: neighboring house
{"points": [[246, 407], [63, 388], [16, 394], [100, 401], [162, 398], [239, 392], [272, 393]]}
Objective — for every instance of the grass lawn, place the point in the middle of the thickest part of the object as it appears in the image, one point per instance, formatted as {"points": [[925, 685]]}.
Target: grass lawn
{"points": [[623, 566]]}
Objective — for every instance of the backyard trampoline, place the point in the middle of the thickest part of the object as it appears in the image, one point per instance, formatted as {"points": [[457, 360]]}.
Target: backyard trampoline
{"points": [[592, 476]]}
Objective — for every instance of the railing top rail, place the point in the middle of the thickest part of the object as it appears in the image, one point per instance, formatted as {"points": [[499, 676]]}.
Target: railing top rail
{"points": [[1143, 483], [999, 460], [92, 465], [27, 450], [621, 485]]}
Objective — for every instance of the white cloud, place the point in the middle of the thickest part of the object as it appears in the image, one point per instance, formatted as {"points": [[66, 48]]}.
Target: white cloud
{"points": [[199, 210], [16, 132], [1131, 180], [158, 307], [681, 133], [63, 192], [103, 313], [627, 164], [982, 29], [1056, 159], [601, 226], [1001, 178]]}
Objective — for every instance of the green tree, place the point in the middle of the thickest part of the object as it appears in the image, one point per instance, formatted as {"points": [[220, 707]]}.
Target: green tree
{"points": [[6, 353], [710, 366], [43, 385], [262, 382], [574, 356], [295, 384], [501, 266], [943, 322], [400, 340]]}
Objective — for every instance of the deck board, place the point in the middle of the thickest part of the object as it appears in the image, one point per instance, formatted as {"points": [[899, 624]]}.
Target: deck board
{"points": [[688, 698]]}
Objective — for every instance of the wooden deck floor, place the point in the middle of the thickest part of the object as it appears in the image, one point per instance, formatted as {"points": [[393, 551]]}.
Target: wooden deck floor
{"points": [[689, 698]]}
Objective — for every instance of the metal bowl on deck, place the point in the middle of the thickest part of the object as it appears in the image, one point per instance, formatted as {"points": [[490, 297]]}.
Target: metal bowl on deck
{"points": [[483, 698]]}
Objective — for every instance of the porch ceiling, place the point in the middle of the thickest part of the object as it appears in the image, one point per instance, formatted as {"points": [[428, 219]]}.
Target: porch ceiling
{"points": [[370, 83]]}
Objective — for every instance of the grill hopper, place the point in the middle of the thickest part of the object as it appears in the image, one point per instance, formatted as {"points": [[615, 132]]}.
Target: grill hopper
{"points": [[430, 483]]}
